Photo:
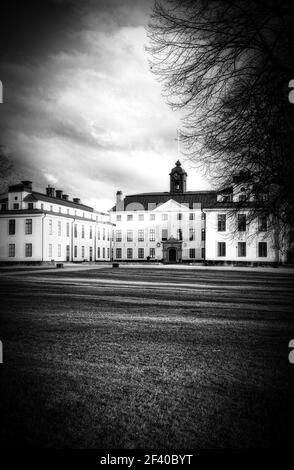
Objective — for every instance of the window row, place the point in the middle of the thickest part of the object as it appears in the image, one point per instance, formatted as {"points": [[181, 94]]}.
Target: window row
{"points": [[141, 217], [141, 253], [152, 237], [28, 226], [241, 223], [242, 249], [130, 253], [28, 249]]}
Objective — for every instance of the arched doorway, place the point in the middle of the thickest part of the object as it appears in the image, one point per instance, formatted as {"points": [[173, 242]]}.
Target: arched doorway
{"points": [[172, 255]]}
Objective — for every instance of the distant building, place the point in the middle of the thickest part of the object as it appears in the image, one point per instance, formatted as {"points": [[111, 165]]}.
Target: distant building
{"points": [[189, 226], [172, 227], [37, 227]]}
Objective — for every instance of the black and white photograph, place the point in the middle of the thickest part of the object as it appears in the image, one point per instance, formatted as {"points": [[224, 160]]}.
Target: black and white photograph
{"points": [[147, 228]]}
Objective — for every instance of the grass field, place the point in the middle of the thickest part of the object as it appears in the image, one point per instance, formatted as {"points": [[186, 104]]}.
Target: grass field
{"points": [[147, 358]]}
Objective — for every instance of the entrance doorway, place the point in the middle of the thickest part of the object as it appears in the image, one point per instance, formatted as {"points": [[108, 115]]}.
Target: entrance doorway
{"points": [[172, 255]]}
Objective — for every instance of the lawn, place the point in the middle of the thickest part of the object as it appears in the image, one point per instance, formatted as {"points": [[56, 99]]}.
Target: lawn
{"points": [[143, 358]]}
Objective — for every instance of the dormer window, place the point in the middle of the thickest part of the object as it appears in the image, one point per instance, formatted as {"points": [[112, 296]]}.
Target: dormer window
{"points": [[30, 205], [15, 206]]}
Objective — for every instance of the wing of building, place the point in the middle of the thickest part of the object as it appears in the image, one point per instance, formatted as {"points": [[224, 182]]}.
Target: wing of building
{"points": [[37, 227], [190, 226]]}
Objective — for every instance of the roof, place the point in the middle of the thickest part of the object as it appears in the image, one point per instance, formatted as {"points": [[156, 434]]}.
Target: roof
{"points": [[205, 198], [34, 196]]}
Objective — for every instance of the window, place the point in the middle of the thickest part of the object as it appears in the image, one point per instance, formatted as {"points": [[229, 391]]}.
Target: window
{"points": [[11, 227], [28, 226], [103, 252], [98, 252], [202, 215], [118, 253], [59, 251], [262, 249], [152, 216], [108, 252], [180, 216], [75, 230], [262, 223], [67, 211], [118, 236], [152, 235], [130, 253], [164, 234], [11, 251], [241, 222], [191, 216], [164, 216], [50, 227], [221, 249], [129, 235], [141, 217], [3, 207], [241, 248], [51, 208], [140, 235], [59, 209], [67, 229], [180, 234], [75, 251], [15, 206], [98, 234], [107, 234], [91, 233], [202, 252], [83, 252], [118, 218], [221, 222], [83, 231], [59, 228], [203, 234], [30, 206], [42, 207], [140, 253], [191, 234], [103, 233], [242, 197], [152, 252], [50, 250], [29, 249], [192, 253], [129, 217]]}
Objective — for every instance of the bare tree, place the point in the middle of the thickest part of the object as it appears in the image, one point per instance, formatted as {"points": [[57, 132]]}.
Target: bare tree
{"points": [[228, 65]]}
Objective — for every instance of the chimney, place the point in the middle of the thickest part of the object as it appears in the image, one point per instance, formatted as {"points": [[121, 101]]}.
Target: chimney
{"points": [[59, 193], [50, 191], [119, 201], [27, 185], [76, 200], [65, 197]]}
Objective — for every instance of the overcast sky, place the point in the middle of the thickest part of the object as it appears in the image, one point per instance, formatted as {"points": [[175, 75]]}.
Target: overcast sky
{"points": [[82, 110]]}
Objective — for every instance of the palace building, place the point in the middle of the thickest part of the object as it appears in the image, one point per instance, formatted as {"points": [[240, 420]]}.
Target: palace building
{"points": [[37, 227], [171, 227], [188, 226]]}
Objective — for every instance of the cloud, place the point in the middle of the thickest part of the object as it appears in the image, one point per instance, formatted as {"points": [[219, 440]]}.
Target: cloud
{"points": [[84, 112]]}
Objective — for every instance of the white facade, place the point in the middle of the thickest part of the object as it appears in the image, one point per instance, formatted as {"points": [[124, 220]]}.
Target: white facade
{"points": [[229, 239], [37, 227], [143, 233]]}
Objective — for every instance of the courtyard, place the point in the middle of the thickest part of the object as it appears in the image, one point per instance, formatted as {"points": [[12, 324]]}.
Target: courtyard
{"points": [[141, 357]]}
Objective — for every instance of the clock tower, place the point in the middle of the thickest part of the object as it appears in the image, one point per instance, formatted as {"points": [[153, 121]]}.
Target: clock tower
{"points": [[178, 179]]}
